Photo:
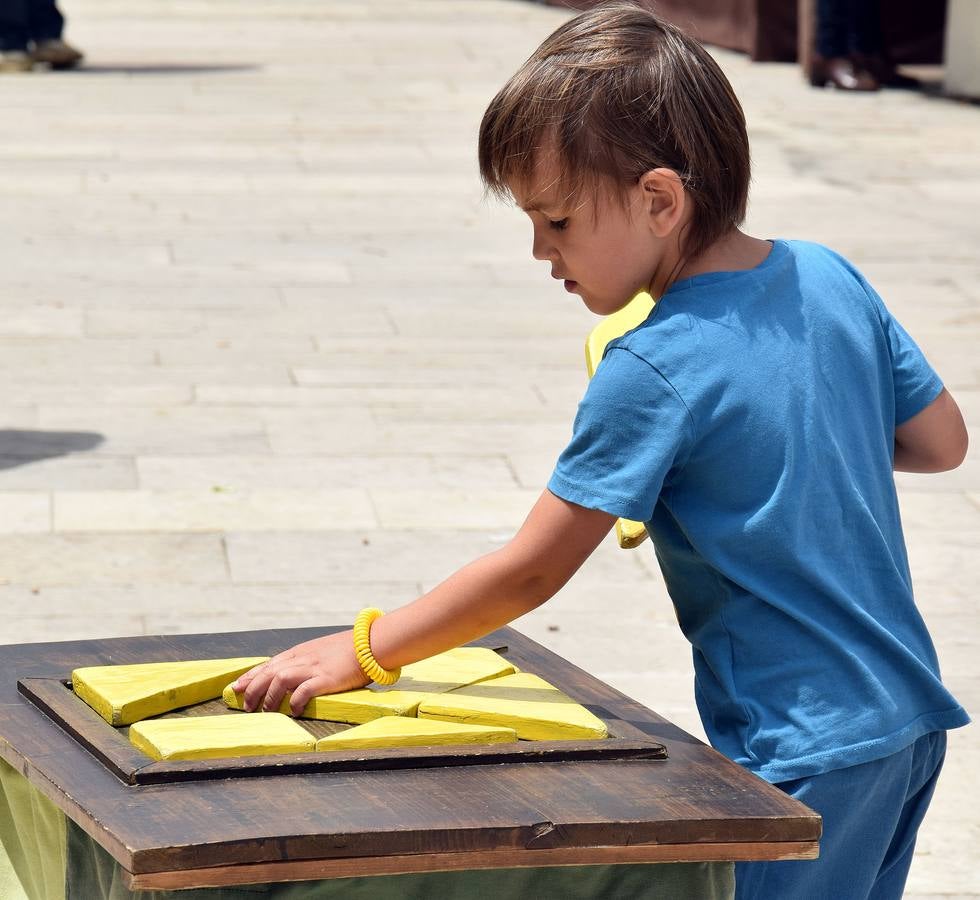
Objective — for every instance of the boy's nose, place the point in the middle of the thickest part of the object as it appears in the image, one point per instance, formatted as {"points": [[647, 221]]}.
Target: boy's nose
{"points": [[542, 249]]}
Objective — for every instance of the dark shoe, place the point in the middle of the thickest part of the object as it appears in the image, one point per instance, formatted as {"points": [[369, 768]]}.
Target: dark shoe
{"points": [[56, 53], [886, 73], [842, 74]]}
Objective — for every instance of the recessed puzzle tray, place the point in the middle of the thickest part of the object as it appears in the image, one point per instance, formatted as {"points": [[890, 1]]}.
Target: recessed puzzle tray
{"points": [[54, 696]]}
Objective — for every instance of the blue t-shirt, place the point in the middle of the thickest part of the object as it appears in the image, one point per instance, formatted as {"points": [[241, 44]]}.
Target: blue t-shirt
{"points": [[750, 423]]}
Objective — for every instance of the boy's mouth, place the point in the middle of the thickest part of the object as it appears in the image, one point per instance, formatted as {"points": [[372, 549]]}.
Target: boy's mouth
{"points": [[570, 285]]}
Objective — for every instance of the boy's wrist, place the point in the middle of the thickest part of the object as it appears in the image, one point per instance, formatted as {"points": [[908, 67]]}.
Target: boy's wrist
{"points": [[383, 648], [363, 633]]}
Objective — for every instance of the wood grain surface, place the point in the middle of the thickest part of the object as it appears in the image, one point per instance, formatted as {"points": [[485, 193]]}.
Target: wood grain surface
{"points": [[264, 873]]}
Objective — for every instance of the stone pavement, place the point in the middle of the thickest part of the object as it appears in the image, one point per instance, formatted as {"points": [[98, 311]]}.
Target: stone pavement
{"points": [[267, 356]]}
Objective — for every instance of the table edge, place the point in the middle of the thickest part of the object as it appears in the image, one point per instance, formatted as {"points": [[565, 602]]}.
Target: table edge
{"points": [[346, 867]]}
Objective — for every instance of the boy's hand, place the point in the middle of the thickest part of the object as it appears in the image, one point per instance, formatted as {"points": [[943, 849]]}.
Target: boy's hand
{"points": [[324, 665]]}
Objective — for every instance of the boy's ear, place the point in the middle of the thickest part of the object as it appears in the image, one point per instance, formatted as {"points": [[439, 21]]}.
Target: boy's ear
{"points": [[664, 200]]}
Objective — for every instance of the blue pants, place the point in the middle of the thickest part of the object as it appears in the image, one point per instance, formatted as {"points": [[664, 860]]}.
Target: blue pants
{"points": [[871, 814]]}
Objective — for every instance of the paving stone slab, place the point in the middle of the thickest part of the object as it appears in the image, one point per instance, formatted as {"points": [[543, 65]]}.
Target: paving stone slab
{"points": [[25, 513], [64, 377], [66, 473], [108, 558], [320, 472], [441, 508], [217, 509], [119, 393], [164, 429]]}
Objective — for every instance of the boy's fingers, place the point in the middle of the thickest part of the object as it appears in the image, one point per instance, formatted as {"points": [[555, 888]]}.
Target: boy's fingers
{"points": [[255, 690], [265, 685], [309, 689], [245, 679], [255, 682], [283, 681]]}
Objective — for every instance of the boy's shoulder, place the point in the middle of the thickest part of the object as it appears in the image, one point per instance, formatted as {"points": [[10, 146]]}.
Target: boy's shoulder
{"points": [[834, 280], [821, 256], [703, 319]]}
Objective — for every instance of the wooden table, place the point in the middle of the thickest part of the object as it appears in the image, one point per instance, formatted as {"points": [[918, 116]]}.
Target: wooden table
{"points": [[282, 819]]}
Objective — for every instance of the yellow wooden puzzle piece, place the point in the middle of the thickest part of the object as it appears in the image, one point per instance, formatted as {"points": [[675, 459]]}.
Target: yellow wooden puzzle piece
{"points": [[127, 693], [629, 534], [215, 737], [397, 731], [536, 710], [435, 675]]}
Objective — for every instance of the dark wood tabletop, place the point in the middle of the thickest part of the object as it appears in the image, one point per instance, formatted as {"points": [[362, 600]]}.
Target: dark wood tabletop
{"points": [[282, 821]]}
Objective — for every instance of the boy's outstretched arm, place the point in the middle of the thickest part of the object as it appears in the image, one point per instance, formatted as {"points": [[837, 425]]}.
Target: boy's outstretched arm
{"points": [[555, 539], [934, 440]]}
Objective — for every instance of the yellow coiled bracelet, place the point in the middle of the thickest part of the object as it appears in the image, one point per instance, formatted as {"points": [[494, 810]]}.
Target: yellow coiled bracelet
{"points": [[362, 647]]}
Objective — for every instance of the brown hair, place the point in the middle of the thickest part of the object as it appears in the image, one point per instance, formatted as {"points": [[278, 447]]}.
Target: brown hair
{"points": [[622, 92]]}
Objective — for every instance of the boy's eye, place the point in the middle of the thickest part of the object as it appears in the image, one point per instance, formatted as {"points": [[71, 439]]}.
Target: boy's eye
{"points": [[559, 225]]}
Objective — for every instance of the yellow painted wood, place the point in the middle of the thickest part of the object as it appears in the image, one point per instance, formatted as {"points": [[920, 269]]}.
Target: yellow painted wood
{"points": [[214, 737], [398, 731], [128, 693], [611, 327], [629, 534], [436, 675], [535, 709]]}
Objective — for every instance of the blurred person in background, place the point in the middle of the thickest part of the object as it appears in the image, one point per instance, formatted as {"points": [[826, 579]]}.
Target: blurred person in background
{"points": [[30, 33], [850, 49]]}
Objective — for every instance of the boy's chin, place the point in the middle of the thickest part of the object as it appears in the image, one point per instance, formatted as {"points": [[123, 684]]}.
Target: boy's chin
{"points": [[603, 306], [592, 304]]}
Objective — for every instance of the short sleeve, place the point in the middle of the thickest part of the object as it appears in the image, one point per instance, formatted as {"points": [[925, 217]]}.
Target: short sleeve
{"points": [[916, 382], [630, 430]]}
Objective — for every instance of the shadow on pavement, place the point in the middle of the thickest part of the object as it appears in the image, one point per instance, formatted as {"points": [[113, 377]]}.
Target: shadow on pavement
{"points": [[18, 448]]}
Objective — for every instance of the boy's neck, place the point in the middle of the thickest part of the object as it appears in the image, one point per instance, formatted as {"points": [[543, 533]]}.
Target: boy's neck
{"points": [[734, 252]]}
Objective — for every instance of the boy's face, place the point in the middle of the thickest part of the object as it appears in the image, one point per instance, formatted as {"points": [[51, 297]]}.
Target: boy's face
{"points": [[604, 250]]}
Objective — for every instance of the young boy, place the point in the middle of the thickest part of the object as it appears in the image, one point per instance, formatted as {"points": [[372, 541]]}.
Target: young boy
{"points": [[752, 422]]}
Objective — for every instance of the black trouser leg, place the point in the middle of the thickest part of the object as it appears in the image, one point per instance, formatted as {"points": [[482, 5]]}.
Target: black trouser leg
{"points": [[832, 28], [14, 28], [46, 22], [866, 27], [848, 26]]}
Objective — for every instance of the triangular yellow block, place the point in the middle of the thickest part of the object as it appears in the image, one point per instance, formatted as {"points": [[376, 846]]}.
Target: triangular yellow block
{"points": [[435, 675], [396, 731], [128, 693], [536, 710], [213, 737]]}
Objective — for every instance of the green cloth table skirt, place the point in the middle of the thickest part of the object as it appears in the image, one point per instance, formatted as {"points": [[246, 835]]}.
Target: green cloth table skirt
{"points": [[46, 856]]}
